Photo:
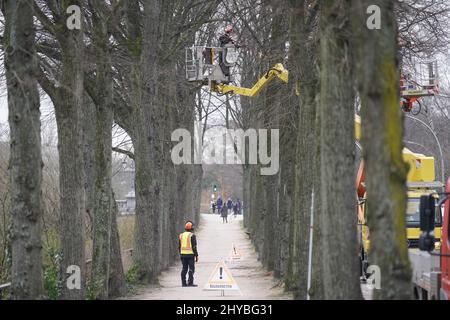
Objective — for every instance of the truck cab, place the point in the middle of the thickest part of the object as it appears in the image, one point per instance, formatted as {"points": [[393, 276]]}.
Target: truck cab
{"points": [[420, 181], [444, 293], [413, 218], [431, 266]]}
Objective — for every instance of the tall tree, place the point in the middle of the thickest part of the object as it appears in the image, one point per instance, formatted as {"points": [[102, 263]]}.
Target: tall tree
{"points": [[66, 90], [339, 246], [104, 215], [25, 158], [378, 82], [95, 121], [303, 35], [282, 104], [154, 35]]}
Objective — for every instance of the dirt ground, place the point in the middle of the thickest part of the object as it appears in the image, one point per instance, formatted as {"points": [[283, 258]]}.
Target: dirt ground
{"points": [[215, 241]]}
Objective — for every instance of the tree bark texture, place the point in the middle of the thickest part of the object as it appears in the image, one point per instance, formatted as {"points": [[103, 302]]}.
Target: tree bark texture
{"points": [[382, 132], [25, 147], [339, 246]]}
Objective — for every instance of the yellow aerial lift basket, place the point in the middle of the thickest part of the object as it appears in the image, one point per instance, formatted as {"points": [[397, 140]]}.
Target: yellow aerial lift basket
{"points": [[211, 66]]}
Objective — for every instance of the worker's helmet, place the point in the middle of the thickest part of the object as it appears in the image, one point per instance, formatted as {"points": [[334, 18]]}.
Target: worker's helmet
{"points": [[228, 29], [188, 225]]}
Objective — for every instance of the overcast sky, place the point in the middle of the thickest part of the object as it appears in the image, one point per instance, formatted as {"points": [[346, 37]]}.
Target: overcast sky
{"points": [[48, 123], [3, 109]]}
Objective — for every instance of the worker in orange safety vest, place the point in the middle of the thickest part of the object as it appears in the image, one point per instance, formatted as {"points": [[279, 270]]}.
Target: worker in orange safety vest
{"points": [[187, 246]]}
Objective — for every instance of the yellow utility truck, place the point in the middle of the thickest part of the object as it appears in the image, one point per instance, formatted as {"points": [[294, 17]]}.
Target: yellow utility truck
{"points": [[420, 181]]}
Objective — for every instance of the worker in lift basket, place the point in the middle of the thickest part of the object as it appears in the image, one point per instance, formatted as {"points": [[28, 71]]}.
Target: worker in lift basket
{"points": [[226, 37], [187, 246], [224, 40]]}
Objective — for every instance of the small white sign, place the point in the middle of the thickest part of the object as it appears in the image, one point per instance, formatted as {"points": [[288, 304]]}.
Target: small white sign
{"points": [[235, 253], [221, 279]]}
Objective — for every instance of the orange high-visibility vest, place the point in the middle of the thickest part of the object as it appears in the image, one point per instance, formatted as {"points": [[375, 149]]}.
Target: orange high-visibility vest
{"points": [[186, 244]]}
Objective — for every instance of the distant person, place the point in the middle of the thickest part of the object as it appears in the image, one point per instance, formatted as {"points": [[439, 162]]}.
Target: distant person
{"points": [[224, 40], [219, 204], [229, 205], [235, 208], [213, 205], [187, 246], [224, 214], [239, 206]]}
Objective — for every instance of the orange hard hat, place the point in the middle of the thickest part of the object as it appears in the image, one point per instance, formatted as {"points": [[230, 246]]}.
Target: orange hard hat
{"points": [[188, 225], [228, 29]]}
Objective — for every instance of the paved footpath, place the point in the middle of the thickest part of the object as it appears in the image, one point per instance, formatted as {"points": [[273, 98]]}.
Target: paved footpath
{"points": [[215, 241]]}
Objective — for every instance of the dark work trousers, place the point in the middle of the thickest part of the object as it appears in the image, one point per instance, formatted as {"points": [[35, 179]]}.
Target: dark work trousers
{"points": [[188, 264]]}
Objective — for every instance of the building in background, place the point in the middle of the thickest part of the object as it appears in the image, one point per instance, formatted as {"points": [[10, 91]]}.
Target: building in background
{"points": [[123, 185]]}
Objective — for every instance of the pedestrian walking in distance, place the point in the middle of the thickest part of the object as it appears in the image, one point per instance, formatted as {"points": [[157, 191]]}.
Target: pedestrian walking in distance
{"points": [[187, 246], [224, 214], [235, 209], [229, 205], [219, 204], [213, 205]]}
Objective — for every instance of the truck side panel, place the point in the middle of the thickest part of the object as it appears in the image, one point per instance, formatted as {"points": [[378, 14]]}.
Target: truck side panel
{"points": [[445, 249]]}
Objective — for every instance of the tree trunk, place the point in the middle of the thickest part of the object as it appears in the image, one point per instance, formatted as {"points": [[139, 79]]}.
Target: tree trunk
{"points": [[102, 215], [116, 286], [154, 102], [149, 151], [146, 249], [104, 203], [303, 38], [274, 104], [69, 104], [66, 90], [25, 158], [89, 140], [317, 290], [378, 81], [339, 246]]}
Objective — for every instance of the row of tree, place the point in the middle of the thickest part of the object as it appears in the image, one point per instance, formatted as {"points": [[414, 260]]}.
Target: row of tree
{"points": [[105, 62], [99, 62], [339, 65]]}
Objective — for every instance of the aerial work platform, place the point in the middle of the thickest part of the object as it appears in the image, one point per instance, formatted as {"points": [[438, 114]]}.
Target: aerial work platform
{"points": [[420, 79], [212, 66]]}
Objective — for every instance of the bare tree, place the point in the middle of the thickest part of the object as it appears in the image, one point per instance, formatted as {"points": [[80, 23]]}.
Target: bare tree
{"points": [[151, 39], [422, 26], [64, 83], [304, 39], [337, 216], [26, 157], [378, 78]]}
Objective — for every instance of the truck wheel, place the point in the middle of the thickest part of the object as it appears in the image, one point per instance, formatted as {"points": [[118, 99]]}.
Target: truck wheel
{"points": [[364, 264], [416, 293], [424, 295]]}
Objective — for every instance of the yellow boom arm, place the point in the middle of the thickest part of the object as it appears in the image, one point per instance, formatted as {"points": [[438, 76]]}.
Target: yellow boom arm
{"points": [[277, 71]]}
